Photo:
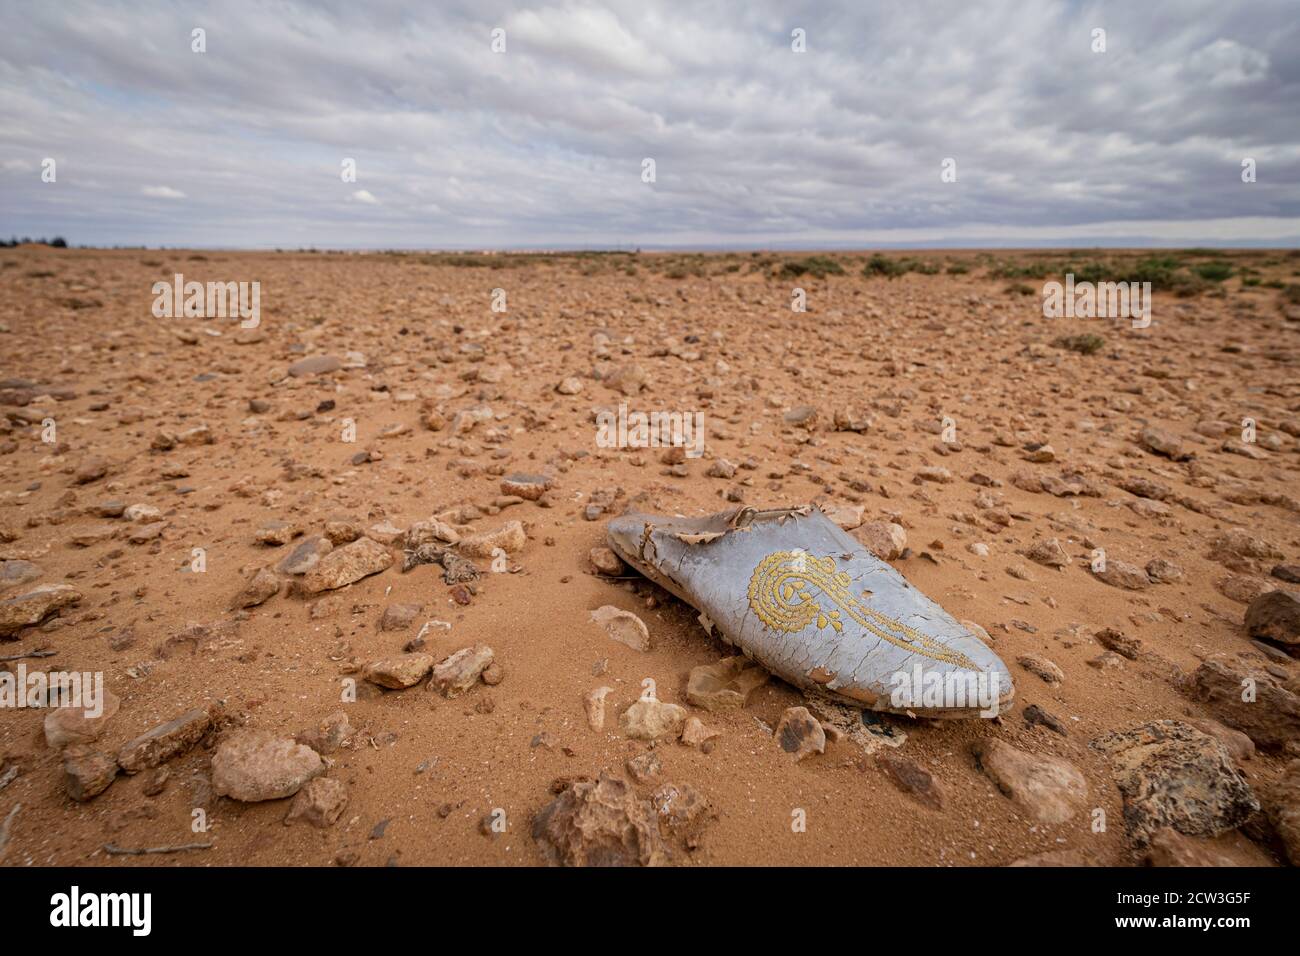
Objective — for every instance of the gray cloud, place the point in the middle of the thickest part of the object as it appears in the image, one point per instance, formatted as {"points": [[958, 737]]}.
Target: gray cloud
{"points": [[457, 146]]}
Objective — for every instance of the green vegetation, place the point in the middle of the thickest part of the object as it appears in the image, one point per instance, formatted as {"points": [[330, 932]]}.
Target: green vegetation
{"points": [[1087, 344]]}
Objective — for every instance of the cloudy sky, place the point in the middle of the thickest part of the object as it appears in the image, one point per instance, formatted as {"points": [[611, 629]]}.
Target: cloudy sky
{"points": [[754, 144]]}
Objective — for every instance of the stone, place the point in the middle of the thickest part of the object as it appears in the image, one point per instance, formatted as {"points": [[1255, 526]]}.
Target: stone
{"points": [[682, 809], [328, 735], [165, 741], [305, 555], [1119, 574], [802, 416], [1172, 775], [884, 539], [1168, 847], [1119, 642], [599, 823], [347, 565], [320, 802], [255, 765], [1275, 616], [75, 725], [510, 538], [623, 626], [528, 487], [399, 617], [846, 516], [1239, 746], [459, 672], [1050, 789], [315, 365], [1243, 588], [1239, 550], [606, 562], [650, 719], [92, 469], [27, 610], [16, 573], [725, 685], [628, 379], [1290, 573], [276, 533], [800, 734], [1035, 716], [1048, 553], [263, 586], [1163, 572], [569, 386], [400, 672], [645, 767], [1041, 667], [1160, 441], [911, 778], [1271, 714], [87, 773], [1283, 810], [593, 704], [694, 733]]}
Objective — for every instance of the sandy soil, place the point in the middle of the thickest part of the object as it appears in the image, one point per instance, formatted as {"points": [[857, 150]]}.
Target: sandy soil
{"points": [[714, 334]]}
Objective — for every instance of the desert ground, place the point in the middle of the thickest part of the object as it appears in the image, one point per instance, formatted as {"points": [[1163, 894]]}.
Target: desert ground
{"points": [[174, 489]]}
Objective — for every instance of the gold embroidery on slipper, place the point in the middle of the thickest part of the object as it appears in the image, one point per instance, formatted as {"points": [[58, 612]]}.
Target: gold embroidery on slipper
{"points": [[781, 594]]}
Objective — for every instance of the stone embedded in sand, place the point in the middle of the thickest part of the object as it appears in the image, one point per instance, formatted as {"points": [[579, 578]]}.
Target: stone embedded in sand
{"points": [[1048, 553], [26, 610], [255, 765], [802, 416], [328, 735], [315, 365], [305, 555], [725, 685], [165, 741], [1290, 573], [463, 422], [398, 617], [65, 726], [569, 386], [430, 532], [320, 802], [1243, 588], [910, 777], [645, 767], [721, 468], [16, 573], [1283, 809], [1041, 667], [599, 823], [1119, 642], [144, 533], [1251, 702], [628, 379], [800, 733], [1118, 574], [276, 533], [682, 809], [884, 539], [263, 586], [650, 719], [1170, 848], [86, 772], [593, 703], [510, 538], [1051, 789], [1160, 441], [847, 516], [346, 565], [141, 513], [343, 529], [396, 673], [1172, 775], [623, 626], [934, 473], [459, 672], [92, 469], [1275, 616], [528, 487], [605, 561], [852, 420], [694, 733], [1163, 572]]}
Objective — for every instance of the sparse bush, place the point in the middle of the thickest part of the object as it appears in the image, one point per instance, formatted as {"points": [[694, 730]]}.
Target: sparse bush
{"points": [[879, 265], [1087, 344], [817, 266]]}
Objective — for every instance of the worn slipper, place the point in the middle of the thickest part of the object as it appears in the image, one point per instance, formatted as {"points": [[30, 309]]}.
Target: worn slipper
{"points": [[800, 596]]}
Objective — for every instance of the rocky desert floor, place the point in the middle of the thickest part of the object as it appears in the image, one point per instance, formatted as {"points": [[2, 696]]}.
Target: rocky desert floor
{"points": [[182, 511]]}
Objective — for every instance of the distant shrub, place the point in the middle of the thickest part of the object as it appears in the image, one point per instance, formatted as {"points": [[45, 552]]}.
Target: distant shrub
{"points": [[1088, 344], [1213, 271], [879, 265], [817, 266]]}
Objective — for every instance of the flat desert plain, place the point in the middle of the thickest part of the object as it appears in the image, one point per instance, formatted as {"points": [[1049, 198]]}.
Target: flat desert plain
{"points": [[216, 519]]}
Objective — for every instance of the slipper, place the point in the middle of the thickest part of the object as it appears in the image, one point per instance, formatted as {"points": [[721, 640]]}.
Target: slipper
{"points": [[797, 594]]}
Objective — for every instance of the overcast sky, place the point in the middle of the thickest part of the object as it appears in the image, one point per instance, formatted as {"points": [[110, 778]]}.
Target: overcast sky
{"points": [[754, 144]]}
